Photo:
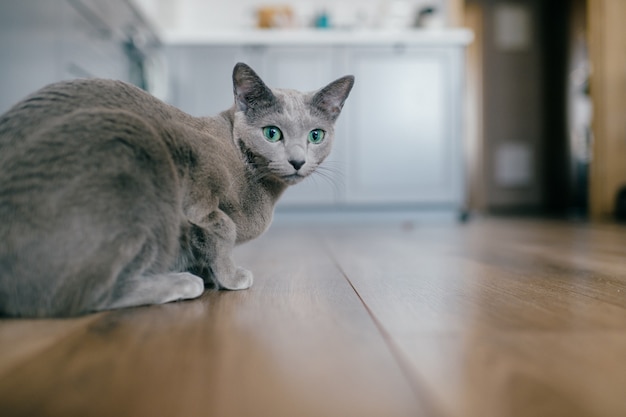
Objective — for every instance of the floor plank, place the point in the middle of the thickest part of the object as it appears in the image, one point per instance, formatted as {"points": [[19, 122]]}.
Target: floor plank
{"points": [[494, 318], [500, 318], [299, 343]]}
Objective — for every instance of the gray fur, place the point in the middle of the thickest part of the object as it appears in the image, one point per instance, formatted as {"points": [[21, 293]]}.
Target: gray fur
{"points": [[110, 198]]}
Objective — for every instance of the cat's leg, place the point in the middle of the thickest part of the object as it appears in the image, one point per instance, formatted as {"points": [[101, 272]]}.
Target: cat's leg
{"points": [[135, 276], [213, 244], [157, 289]]}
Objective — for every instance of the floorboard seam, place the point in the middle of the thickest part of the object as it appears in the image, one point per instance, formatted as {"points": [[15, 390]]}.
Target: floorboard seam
{"points": [[416, 386]]}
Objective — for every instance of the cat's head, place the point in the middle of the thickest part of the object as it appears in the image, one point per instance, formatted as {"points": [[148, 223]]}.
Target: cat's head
{"points": [[285, 134]]}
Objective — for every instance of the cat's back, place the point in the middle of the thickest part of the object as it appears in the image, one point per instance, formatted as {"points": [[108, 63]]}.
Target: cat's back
{"points": [[73, 129], [56, 101]]}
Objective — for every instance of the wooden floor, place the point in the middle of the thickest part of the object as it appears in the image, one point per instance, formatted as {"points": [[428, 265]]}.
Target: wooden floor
{"points": [[493, 318]]}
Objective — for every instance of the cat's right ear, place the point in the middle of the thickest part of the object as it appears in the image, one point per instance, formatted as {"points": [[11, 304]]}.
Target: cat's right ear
{"points": [[250, 91], [330, 99]]}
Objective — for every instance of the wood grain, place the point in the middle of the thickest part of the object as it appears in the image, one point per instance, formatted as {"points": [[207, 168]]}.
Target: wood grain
{"points": [[300, 343], [502, 319], [494, 318]]}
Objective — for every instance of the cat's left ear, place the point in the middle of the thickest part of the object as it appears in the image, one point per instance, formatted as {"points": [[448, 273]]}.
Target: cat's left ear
{"points": [[250, 91], [330, 99]]}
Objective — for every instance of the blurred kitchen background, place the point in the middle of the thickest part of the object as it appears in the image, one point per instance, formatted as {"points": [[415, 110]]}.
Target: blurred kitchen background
{"points": [[460, 108]]}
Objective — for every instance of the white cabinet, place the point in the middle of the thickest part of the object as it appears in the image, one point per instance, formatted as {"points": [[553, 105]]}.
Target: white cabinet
{"points": [[201, 78], [87, 47], [399, 138], [28, 48], [404, 118], [46, 41]]}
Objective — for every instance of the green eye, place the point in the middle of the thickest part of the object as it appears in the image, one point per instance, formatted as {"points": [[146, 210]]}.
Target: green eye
{"points": [[316, 135], [272, 133]]}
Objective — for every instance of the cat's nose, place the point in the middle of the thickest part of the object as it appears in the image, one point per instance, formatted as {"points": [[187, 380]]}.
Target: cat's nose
{"points": [[296, 163]]}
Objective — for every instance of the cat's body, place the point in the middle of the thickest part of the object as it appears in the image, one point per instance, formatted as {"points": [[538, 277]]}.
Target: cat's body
{"points": [[110, 198]]}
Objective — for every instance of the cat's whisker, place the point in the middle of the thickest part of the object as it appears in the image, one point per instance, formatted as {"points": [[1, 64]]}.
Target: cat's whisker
{"points": [[332, 173], [326, 175], [330, 169], [332, 162]]}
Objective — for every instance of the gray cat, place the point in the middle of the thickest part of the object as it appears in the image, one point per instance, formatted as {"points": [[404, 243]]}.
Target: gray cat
{"points": [[110, 198]]}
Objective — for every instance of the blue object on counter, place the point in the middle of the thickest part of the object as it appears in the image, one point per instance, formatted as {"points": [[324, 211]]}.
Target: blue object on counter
{"points": [[322, 21]]}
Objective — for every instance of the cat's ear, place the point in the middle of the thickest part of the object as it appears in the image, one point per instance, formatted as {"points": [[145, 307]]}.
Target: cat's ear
{"points": [[330, 99], [250, 91]]}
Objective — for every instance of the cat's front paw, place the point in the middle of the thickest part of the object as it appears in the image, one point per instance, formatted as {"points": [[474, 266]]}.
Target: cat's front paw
{"points": [[241, 280], [184, 286]]}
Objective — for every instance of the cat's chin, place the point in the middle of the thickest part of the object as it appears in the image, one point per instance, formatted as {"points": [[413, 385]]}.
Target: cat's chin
{"points": [[292, 179]]}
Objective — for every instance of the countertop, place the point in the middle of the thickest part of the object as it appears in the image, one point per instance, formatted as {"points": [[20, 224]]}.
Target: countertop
{"points": [[429, 37]]}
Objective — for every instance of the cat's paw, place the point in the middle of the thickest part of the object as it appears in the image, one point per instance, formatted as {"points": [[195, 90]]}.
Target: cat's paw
{"points": [[241, 280], [158, 289], [186, 286]]}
